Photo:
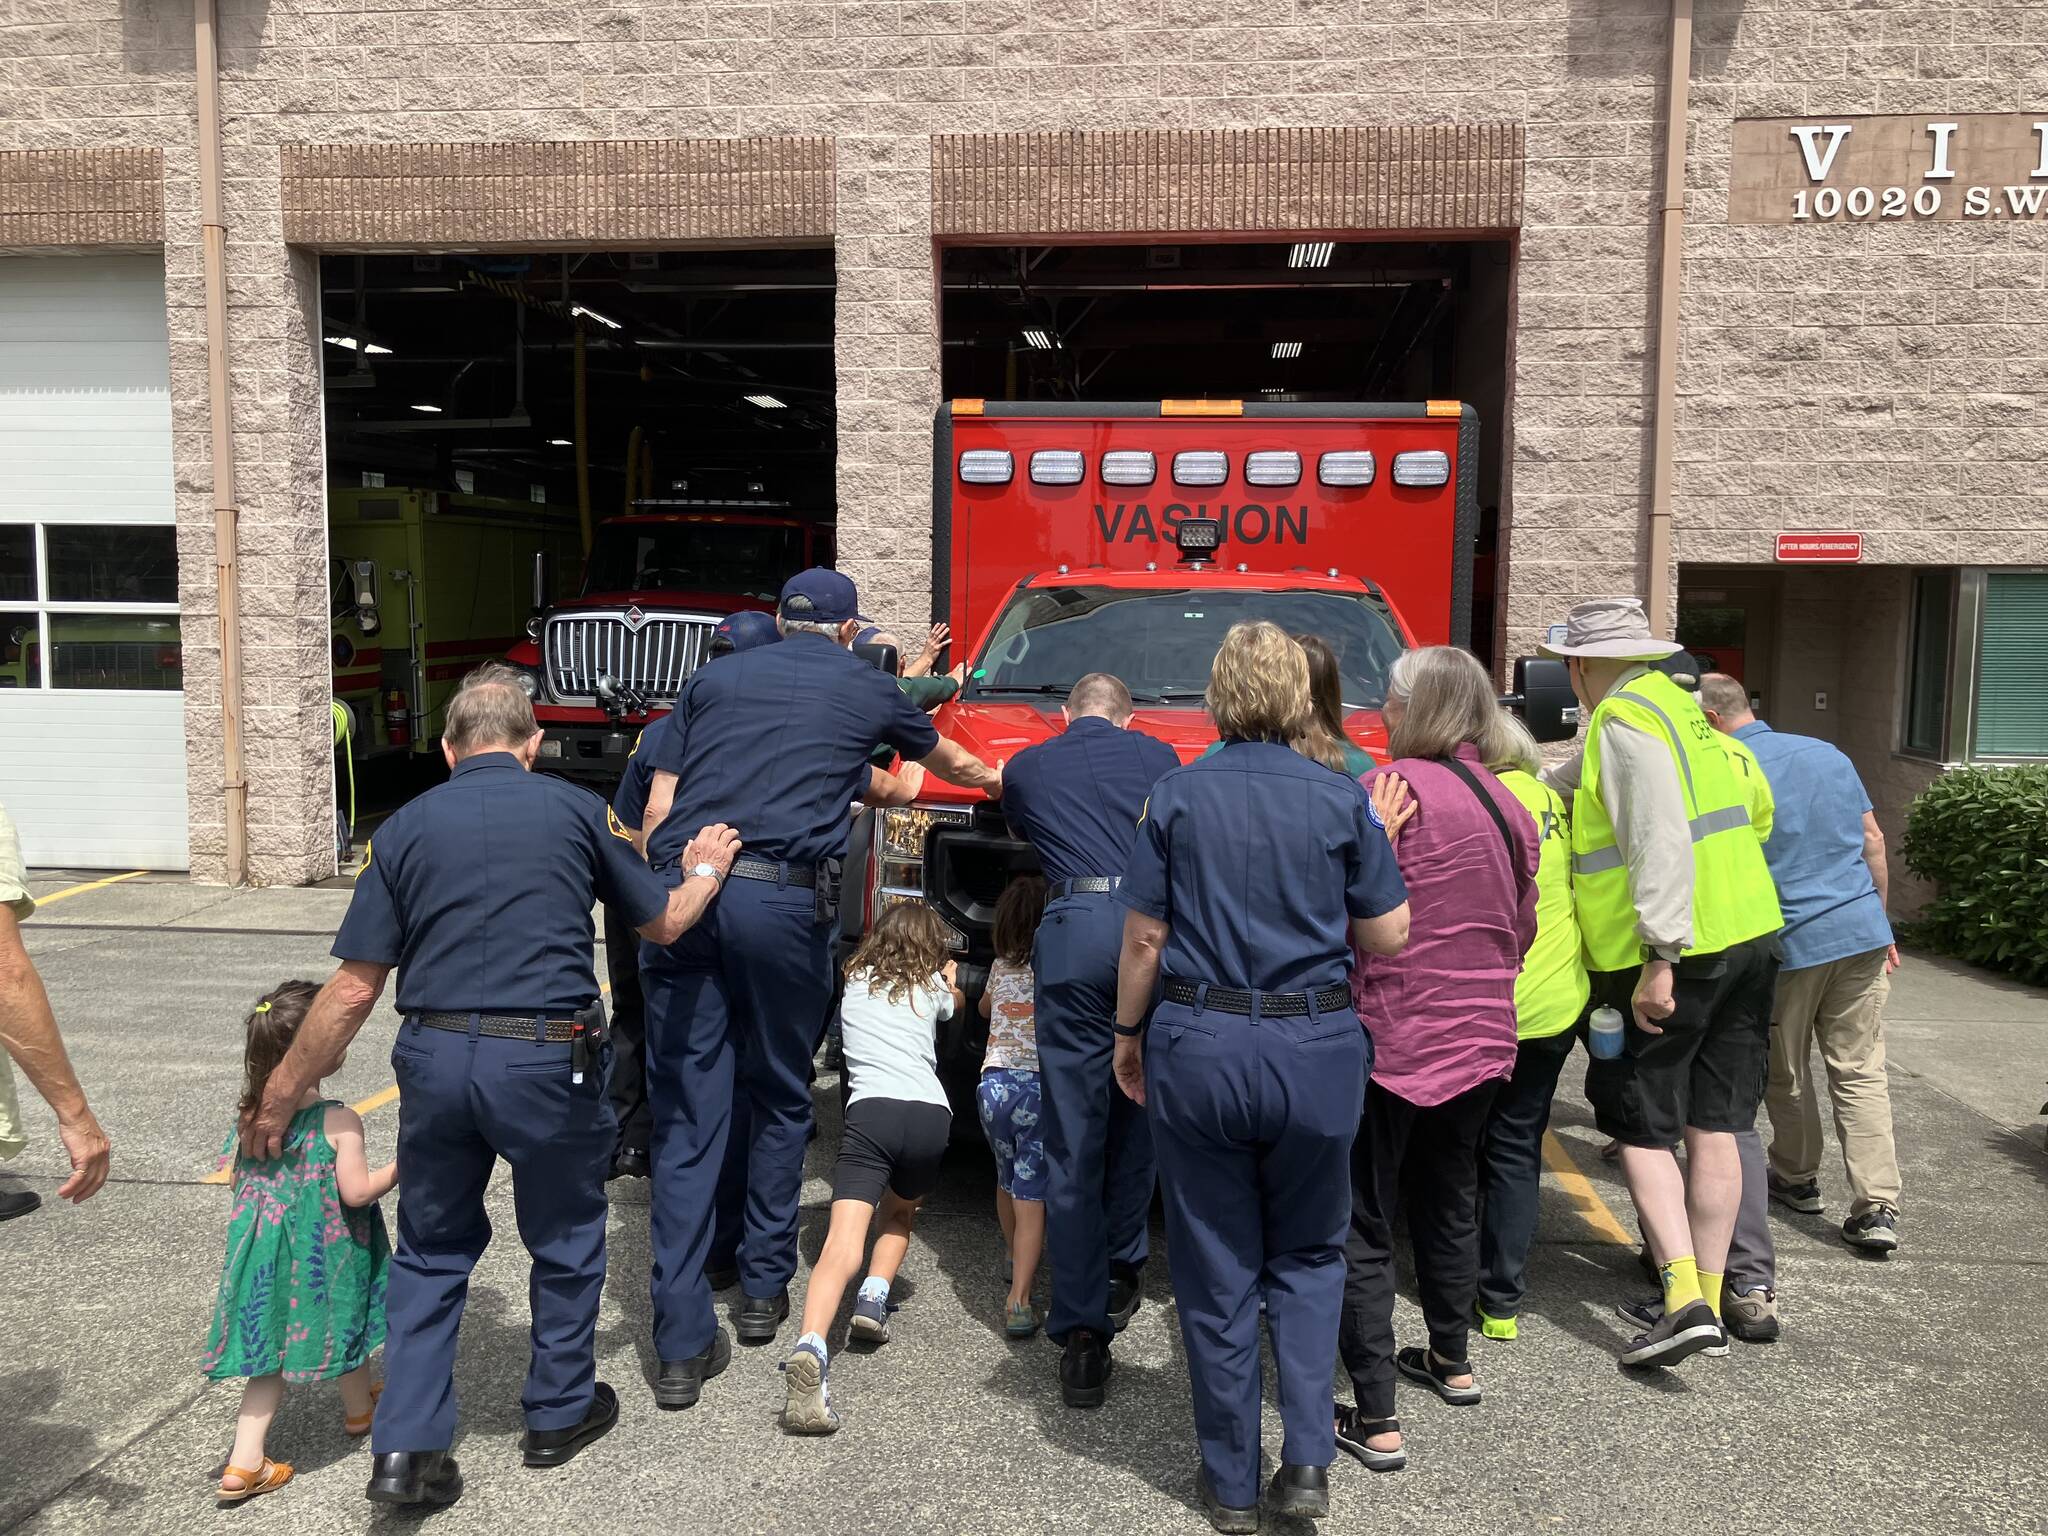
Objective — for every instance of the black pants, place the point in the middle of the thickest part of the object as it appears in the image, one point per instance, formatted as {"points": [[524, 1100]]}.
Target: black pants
{"points": [[629, 1032], [1511, 1171], [1426, 1160]]}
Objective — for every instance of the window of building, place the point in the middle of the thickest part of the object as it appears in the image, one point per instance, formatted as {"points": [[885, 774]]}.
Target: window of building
{"points": [[2011, 716], [87, 607], [1927, 663]]}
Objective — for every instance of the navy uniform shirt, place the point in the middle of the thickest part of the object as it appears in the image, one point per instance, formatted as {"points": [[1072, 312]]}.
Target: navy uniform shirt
{"points": [[480, 891], [630, 798], [1256, 857], [1076, 798], [774, 742]]}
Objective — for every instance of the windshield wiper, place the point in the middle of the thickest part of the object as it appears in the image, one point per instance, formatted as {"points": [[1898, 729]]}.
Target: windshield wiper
{"points": [[1168, 695], [1035, 690]]}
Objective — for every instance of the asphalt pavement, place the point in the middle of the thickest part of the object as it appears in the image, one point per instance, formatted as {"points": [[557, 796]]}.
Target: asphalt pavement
{"points": [[1905, 1395]]}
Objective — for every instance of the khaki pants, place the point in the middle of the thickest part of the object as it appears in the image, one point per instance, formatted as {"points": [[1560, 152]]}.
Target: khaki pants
{"points": [[12, 1135], [1841, 1005]]}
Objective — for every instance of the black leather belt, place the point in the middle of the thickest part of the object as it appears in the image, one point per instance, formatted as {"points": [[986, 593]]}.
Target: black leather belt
{"points": [[500, 1026], [1086, 885], [805, 875], [1334, 998]]}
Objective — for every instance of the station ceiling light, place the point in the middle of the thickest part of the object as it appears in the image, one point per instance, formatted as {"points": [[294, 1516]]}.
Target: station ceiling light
{"points": [[766, 402], [1311, 253], [560, 442], [1286, 349], [352, 343], [591, 314], [431, 410], [1042, 340]]}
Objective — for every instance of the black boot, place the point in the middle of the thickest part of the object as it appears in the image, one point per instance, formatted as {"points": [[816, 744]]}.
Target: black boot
{"points": [[1126, 1289], [552, 1447], [1084, 1369], [414, 1477], [1225, 1517], [630, 1163], [1303, 1492], [759, 1317], [682, 1381]]}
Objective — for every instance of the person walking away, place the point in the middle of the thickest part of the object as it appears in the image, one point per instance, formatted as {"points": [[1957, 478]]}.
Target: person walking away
{"points": [[1550, 1000], [1076, 799], [1253, 872], [1009, 1095], [901, 983], [1442, 1019], [301, 1294], [1827, 854], [777, 737], [1677, 912], [479, 893], [28, 1034]]}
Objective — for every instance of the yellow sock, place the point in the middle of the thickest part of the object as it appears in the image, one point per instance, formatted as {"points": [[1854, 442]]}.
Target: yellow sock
{"points": [[1681, 1284], [1710, 1288]]}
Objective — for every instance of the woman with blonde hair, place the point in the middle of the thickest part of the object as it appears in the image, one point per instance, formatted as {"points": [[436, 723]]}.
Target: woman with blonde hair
{"points": [[1442, 1019], [1253, 874]]}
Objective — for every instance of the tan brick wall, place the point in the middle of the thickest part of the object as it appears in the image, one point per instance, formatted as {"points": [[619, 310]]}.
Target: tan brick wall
{"points": [[1881, 378], [81, 197]]}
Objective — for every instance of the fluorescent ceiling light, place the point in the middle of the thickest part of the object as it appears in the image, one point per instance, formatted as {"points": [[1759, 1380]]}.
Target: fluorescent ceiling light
{"points": [[351, 343], [376, 351], [579, 309], [766, 402], [560, 442], [431, 410], [1312, 253], [1286, 349], [342, 341], [1042, 340]]}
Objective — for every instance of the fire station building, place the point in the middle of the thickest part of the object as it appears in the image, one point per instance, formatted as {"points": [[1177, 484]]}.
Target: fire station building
{"points": [[1748, 296]]}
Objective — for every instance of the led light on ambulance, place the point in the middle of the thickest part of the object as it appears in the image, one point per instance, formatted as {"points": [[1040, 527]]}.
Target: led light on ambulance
{"points": [[1350, 467], [1423, 467], [1056, 466], [1201, 466], [1273, 467], [987, 466], [904, 827], [1129, 466]]}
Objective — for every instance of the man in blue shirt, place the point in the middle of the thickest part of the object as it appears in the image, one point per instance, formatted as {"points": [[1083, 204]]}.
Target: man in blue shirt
{"points": [[1826, 855], [1076, 799]]}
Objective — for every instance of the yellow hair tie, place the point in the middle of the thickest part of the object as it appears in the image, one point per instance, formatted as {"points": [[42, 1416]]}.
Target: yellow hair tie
{"points": [[263, 1007]]}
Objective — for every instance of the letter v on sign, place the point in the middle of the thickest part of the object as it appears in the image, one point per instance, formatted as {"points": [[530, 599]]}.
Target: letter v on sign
{"points": [[1818, 160]]}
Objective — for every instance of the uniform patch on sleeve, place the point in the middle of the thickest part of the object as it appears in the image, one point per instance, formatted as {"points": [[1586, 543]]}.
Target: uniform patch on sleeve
{"points": [[611, 818], [638, 737]]}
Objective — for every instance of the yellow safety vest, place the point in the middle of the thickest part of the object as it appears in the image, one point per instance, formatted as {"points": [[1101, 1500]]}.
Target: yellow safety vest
{"points": [[1733, 899], [1552, 990]]}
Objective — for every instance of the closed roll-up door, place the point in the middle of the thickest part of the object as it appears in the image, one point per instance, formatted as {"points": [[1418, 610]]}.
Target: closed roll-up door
{"points": [[92, 729]]}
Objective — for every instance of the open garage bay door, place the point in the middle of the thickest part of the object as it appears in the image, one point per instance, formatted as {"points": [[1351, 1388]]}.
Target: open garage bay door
{"points": [[92, 731]]}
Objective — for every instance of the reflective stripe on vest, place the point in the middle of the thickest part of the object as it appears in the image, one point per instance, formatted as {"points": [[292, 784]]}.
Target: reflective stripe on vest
{"points": [[1733, 897], [1551, 992]]}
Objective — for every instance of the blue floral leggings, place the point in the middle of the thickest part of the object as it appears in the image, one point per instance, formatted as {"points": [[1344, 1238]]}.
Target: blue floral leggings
{"points": [[1009, 1104]]}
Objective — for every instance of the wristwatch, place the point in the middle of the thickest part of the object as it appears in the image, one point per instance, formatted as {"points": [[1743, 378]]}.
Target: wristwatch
{"points": [[1130, 1033], [709, 872]]}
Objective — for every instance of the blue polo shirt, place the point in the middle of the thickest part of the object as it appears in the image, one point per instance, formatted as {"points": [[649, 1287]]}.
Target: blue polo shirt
{"points": [[1815, 850], [1255, 857], [1076, 797], [480, 891]]}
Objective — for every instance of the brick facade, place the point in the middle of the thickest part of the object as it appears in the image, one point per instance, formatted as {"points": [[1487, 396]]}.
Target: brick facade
{"points": [[1883, 377]]}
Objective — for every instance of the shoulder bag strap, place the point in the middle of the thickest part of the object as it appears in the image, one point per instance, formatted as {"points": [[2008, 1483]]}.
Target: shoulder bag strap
{"points": [[1486, 800]]}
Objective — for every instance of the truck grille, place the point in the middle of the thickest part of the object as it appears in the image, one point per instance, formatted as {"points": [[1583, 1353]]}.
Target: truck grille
{"points": [[656, 658]]}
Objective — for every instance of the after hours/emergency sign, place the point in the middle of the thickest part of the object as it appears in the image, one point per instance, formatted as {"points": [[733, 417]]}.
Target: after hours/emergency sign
{"points": [[1989, 167]]}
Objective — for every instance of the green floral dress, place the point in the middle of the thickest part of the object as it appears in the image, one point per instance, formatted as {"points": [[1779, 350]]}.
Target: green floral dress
{"points": [[302, 1286]]}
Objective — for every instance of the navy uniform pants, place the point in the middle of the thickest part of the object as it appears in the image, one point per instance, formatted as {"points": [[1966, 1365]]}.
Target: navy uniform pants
{"points": [[1253, 1121], [629, 1031], [1098, 1149], [755, 971], [464, 1102]]}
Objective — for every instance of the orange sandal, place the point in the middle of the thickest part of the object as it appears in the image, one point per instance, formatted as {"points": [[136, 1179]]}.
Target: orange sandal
{"points": [[268, 1478], [357, 1428]]}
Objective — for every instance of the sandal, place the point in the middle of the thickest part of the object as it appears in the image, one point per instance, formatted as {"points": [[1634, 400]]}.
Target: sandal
{"points": [[1422, 1365], [1354, 1429], [268, 1478], [355, 1429]]}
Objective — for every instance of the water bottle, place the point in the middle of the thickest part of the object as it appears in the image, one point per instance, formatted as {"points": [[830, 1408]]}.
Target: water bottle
{"points": [[1606, 1036]]}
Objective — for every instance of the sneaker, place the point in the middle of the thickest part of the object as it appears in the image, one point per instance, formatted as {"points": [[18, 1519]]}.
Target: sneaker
{"points": [[1752, 1316], [1670, 1339], [807, 1401], [870, 1320], [1020, 1321], [1648, 1314], [1803, 1196], [1876, 1230], [1491, 1327]]}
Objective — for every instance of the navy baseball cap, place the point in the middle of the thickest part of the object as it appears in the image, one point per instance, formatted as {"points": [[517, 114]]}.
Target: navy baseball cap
{"points": [[819, 596], [744, 630]]}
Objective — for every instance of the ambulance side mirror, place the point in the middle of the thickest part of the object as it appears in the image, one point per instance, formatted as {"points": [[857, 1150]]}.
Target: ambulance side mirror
{"points": [[1544, 699], [881, 657], [364, 575]]}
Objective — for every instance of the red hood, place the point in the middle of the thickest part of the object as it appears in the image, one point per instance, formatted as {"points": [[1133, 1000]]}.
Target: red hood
{"points": [[704, 602], [998, 732]]}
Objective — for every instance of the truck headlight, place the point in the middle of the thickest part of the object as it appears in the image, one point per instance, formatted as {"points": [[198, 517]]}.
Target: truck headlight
{"points": [[528, 680]]}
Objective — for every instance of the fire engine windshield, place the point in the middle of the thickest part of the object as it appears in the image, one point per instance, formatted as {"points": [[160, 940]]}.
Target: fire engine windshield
{"points": [[1162, 643], [749, 559]]}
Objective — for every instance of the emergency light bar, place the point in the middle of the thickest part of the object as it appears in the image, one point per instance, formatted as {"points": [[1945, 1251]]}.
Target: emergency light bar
{"points": [[1273, 467], [1201, 466], [987, 466], [1350, 467], [1129, 466], [1423, 467], [1056, 466]]}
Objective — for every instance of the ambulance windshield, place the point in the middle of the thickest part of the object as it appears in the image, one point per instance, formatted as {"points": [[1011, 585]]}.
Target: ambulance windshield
{"points": [[1162, 643], [748, 559]]}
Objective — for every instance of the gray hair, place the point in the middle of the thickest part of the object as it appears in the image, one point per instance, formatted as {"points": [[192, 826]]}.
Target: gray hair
{"points": [[1518, 748], [1449, 701], [490, 709], [808, 627], [1723, 695], [1100, 693]]}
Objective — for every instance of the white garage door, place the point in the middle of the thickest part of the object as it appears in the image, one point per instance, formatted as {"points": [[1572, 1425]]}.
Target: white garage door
{"points": [[92, 732]]}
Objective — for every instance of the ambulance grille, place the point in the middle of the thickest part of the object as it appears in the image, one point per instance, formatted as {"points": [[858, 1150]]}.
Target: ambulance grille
{"points": [[656, 657]]}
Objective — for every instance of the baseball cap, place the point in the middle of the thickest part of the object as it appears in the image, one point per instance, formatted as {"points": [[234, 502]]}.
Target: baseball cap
{"points": [[819, 596], [744, 630]]}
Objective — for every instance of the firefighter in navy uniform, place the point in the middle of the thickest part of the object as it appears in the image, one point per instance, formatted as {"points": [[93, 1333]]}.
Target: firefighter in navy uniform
{"points": [[781, 734], [735, 632], [1076, 799], [479, 893]]}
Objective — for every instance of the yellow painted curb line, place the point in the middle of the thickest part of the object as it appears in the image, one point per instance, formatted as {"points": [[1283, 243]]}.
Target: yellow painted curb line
{"points": [[1592, 1209], [90, 885]]}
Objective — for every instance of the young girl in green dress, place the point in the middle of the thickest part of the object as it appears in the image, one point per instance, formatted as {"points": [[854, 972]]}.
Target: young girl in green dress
{"points": [[302, 1287]]}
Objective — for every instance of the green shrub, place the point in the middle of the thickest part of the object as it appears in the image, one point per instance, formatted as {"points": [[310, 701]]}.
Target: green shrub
{"points": [[1982, 835]]}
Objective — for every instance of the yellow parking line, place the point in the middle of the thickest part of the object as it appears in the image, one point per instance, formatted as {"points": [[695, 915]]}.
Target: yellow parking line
{"points": [[90, 885], [1592, 1209]]}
